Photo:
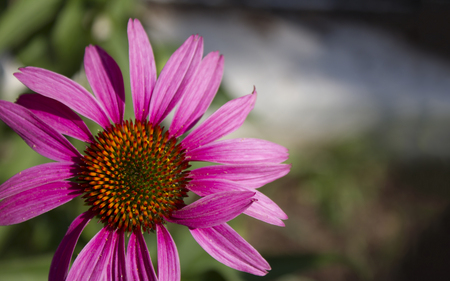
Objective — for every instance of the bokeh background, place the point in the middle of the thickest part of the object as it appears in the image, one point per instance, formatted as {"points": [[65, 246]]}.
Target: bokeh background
{"points": [[359, 91]]}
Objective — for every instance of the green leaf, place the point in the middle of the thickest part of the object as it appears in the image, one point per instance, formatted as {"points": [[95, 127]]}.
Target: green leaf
{"points": [[23, 18], [35, 53], [69, 37]]}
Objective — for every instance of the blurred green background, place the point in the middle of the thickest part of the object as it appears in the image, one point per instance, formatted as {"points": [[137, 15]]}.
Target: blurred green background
{"points": [[357, 211]]}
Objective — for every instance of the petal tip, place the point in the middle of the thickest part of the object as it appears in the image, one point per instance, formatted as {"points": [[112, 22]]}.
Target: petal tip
{"points": [[133, 24], [254, 90]]}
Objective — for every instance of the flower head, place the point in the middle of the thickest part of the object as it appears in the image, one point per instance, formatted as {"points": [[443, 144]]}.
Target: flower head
{"points": [[134, 175]]}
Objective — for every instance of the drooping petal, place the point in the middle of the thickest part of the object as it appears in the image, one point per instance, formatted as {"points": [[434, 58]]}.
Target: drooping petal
{"points": [[57, 115], [64, 90], [228, 247], [91, 263], [168, 259], [37, 134], [260, 212], [264, 209], [174, 78], [239, 151], [199, 94], [36, 176], [139, 264], [248, 175], [213, 209], [33, 202], [63, 255], [106, 81], [225, 120], [117, 270], [142, 68]]}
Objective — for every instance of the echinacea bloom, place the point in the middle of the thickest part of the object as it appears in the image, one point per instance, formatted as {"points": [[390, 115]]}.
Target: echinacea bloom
{"points": [[134, 174]]}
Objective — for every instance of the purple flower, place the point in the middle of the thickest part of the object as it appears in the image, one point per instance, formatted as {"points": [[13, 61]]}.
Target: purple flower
{"points": [[134, 175]]}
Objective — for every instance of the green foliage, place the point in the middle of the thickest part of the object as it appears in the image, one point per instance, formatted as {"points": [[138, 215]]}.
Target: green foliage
{"points": [[342, 177], [53, 33], [25, 269], [23, 19]]}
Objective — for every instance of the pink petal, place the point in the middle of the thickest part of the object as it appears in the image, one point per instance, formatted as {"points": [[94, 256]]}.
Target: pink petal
{"points": [[199, 94], [142, 68], [228, 247], [36, 176], [31, 203], [213, 209], [168, 260], [91, 263], [61, 260], [139, 264], [253, 176], [174, 78], [261, 213], [225, 120], [239, 151], [57, 115], [37, 134], [117, 270], [106, 81], [64, 90], [264, 209]]}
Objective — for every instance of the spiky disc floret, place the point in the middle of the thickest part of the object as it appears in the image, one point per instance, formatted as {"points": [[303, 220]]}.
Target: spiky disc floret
{"points": [[134, 175]]}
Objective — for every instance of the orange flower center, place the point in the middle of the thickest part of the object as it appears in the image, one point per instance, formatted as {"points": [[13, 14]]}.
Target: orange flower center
{"points": [[134, 175]]}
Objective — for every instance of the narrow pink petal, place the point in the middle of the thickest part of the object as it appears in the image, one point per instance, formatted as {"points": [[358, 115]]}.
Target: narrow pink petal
{"points": [[168, 260], [91, 263], [33, 202], [248, 175], [264, 209], [265, 204], [228, 247], [174, 78], [37, 134], [199, 94], [103, 266], [239, 151], [260, 213], [139, 264], [225, 120], [61, 260], [118, 269], [57, 115], [106, 81], [64, 90], [142, 68], [36, 176], [213, 209]]}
